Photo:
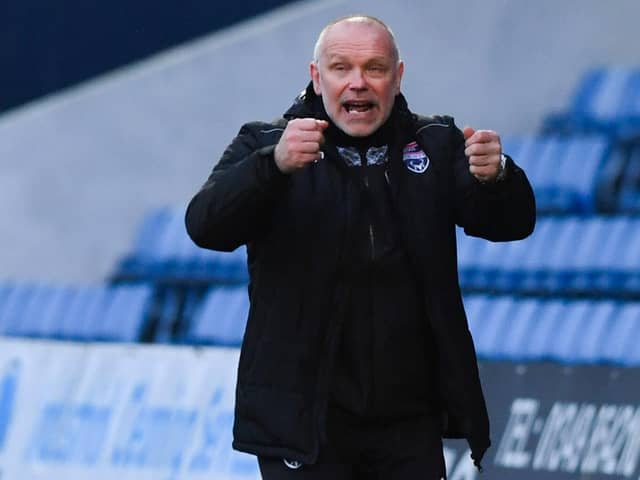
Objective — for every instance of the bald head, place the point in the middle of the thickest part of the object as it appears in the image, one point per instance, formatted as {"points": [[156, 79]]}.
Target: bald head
{"points": [[368, 20], [357, 73]]}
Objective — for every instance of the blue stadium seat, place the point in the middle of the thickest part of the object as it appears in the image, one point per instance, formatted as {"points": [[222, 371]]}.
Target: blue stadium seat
{"points": [[44, 316], [590, 344], [539, 346], [489, 329], [163, 252], [5, 288], [564, 171], [606, 100], [74, 313], [564, 256], [86, 304], [564, 343], [517, 333], [124, 317], [584, 331], [631, 350], [138, 262], [221, 318], [16, 300], [619, 344]]}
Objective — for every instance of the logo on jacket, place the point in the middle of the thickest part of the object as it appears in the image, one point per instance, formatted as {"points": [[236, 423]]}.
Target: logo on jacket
{"points": [[373, 156], [414, 158]]}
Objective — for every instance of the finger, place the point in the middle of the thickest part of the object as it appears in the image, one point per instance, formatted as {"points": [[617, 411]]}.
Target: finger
{"points": [[467, 132], [309, 124], [311, 136], [482, 149], [322, 124], [309, 147], [483, 160], [483, 136]]}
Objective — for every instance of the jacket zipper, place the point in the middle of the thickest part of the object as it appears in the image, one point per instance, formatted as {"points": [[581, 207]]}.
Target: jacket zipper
{"points": [[372, 242], [332, 343]]}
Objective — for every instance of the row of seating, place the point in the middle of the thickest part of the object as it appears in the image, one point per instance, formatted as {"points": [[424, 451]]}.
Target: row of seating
{"points": [[606, 103], [163, 253], [606, 99], [564, 256], [565, 172], [560, 330], [504, 327], [95, 313]]}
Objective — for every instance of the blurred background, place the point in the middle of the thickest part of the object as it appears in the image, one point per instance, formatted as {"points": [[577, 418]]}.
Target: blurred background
{"points": [[112, 115]]}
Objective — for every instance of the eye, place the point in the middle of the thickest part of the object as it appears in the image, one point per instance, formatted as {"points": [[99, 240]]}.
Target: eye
{"points": [[377, 69]]}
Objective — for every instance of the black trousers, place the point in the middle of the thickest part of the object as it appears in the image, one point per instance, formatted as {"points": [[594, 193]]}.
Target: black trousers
{"points": [[400, 450]]}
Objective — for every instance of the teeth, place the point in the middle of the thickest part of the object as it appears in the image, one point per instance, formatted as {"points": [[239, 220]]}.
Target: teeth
{"points": [[357, 106]]}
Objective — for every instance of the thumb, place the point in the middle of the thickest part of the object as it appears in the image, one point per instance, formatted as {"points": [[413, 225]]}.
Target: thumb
{"points": [[322, 124], [467, 132]]}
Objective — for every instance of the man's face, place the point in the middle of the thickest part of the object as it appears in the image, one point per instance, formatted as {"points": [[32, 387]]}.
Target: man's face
{"points": [[357, 76]]}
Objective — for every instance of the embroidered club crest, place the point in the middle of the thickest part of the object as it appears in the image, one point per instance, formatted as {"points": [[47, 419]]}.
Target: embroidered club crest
{"points": [[414, 158]]}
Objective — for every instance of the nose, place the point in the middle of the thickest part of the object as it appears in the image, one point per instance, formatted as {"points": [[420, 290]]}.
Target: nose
{"points": [[357, 80]]}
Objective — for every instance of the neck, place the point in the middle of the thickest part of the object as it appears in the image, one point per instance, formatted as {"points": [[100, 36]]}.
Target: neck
{"points": [[382, 136]]}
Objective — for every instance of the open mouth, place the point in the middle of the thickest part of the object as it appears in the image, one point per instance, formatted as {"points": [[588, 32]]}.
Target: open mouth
{"points": [[358, 106]]}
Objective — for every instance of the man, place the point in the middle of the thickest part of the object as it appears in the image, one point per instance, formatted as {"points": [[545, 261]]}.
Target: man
{"points": [[357, 357]]}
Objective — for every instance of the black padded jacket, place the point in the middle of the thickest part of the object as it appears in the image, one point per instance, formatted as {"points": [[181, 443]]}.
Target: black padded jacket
{"points": [[296, 228]]}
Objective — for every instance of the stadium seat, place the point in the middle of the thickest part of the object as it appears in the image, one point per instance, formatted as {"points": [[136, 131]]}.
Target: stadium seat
{"points": [[164, 253], [590, 340], [493, 322], [123, 319], [87, 303], [74, 312], [221, 318], [16, 301], [607, 100], [42, 318], [583, 331], [564, 256], [564, 171]]}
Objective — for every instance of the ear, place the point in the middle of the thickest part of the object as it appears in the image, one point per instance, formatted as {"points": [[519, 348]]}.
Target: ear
{"points": [[399, 73], [315, 78]]}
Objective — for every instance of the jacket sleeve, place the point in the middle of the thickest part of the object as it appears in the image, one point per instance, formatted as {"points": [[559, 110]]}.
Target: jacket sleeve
{"points": [[503, 210], [234, 205]]}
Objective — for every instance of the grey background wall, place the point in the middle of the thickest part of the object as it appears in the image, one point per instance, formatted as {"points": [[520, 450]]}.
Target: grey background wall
{"points": [[78, 170]]}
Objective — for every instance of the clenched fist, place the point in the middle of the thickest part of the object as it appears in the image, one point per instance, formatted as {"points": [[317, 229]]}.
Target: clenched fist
{"points": [[300, 144], [485, 153]]}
